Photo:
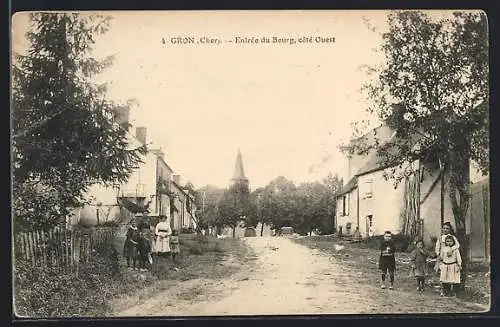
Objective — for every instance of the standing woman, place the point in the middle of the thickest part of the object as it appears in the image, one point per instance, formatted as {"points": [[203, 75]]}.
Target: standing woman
{"points": [[162, 234], [447, 230]]}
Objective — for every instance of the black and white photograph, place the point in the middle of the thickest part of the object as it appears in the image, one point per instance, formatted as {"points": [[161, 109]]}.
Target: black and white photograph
{"points": [[255, 162]]}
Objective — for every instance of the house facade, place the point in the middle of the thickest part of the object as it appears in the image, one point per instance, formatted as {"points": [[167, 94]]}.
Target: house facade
{"points": [[371, 204], [152, 190], [183, 207]]}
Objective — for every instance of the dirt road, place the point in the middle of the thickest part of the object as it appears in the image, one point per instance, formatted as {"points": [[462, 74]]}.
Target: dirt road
{"points": [[289, 278]]}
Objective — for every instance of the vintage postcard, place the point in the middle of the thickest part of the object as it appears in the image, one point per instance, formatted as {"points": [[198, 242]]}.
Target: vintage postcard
{"points": [[236, 163]]}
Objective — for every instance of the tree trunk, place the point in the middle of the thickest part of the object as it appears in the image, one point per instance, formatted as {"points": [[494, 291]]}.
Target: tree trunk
{"points": [[234, 232], [262, 229], [459, 196]]}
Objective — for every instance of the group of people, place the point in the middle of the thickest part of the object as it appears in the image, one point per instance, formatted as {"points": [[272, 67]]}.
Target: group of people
{"points": [[141, 243], [448, 261]]}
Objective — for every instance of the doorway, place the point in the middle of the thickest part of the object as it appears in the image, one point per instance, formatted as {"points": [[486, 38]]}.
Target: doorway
{"points": [[370, 231]]}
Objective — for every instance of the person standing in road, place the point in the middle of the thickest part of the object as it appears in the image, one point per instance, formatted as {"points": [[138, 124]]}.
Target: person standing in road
{"points": [[450, 267], [418, 264], [174, 245], [447, 230], [387, 259]]}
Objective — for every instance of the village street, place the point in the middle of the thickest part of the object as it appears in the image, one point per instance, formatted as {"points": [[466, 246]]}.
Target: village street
{"points": [[289, 278]]}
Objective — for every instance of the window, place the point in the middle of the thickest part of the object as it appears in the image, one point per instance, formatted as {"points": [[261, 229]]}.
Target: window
{"points": [[368, 189], [345, 205]]}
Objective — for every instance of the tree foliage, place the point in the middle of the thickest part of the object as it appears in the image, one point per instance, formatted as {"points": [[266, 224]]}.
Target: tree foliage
{"points": [[64, 135], [433, 91], [207, 202], [307, 207]]}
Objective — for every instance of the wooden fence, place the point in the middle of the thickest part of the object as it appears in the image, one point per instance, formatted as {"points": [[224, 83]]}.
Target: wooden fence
{"points": [[63, 248]]}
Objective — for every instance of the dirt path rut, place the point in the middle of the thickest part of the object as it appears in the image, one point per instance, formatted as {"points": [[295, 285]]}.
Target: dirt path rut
{"points": [[290, 279]]}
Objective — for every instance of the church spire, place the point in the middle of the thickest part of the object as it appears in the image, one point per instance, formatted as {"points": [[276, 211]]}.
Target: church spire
{"points": [[239, 173]]}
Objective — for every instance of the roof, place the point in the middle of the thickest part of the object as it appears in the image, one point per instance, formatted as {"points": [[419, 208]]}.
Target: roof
{"points": [[239, 173], [381, 133], [351, 185], [179, 187], [183, 190], [376, 161], [164, 162]]}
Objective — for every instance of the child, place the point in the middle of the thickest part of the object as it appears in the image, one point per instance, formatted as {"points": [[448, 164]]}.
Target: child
{"points": [[130, 248], [144, 249], [447, 229], [419, 262], [450, 266], [175, 248], [387, 260]]}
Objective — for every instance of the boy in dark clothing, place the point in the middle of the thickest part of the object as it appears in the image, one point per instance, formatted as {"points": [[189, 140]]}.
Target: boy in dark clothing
{"points": [[387, 260]]}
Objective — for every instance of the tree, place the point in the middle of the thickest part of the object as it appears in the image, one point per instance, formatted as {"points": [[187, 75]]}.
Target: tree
{"points": [[228, 211], [259, 199], [433, 90], [276, 203], [313, 208], [334, 184], [207, 203], [64, 135]]}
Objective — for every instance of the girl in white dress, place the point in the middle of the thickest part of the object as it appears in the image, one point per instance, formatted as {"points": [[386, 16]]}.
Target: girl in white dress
{"points": [[450, 266]]}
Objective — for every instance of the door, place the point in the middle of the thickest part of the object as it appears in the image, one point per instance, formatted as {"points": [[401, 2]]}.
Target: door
{"points": [[369, 226]]}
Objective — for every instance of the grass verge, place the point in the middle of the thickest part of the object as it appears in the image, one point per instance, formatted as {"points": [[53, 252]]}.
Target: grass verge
{"points": [[202, 257], [364, 259], [104, 285]]}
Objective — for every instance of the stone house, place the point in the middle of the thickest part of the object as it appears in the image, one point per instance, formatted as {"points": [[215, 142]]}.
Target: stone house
{"points": [[371, 204]]}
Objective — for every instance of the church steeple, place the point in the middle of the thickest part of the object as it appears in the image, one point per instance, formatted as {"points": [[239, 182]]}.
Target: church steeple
{"points": [[239, 173]]}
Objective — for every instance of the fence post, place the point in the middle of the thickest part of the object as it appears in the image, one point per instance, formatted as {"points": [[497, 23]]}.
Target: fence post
{"points": [[32, 245], [44, 249]]}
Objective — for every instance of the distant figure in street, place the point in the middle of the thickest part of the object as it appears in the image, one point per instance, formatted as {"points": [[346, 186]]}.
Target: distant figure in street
{"points": [[447, 230], [450, 266], [175, 247], [419, 264], [387, 260], [162, 234], [130, 248]]}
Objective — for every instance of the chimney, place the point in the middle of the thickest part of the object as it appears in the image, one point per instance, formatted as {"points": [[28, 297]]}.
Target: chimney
{"points": [[141, 134], [177, 179], [122, 115], [159, 153]]}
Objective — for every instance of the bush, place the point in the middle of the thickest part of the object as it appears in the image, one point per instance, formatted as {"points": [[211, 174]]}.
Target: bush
{"points": [[198, 244], [250, 232], [401, 241], [49, 292], [189, 230]]}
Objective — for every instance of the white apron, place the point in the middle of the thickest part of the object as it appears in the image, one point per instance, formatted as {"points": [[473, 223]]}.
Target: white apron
{"points": [[162, 233]]}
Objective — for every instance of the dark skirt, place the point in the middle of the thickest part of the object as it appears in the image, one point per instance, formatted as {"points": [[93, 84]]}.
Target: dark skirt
{"points": [[387, 263], [130, 249]]}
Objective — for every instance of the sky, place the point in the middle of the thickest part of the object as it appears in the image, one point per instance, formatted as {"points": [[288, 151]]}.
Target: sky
{"points": [[287, 107]]}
